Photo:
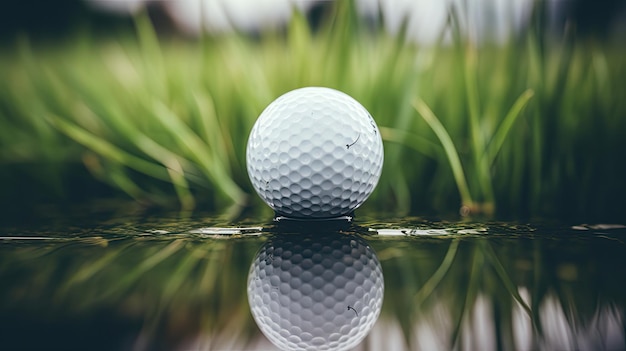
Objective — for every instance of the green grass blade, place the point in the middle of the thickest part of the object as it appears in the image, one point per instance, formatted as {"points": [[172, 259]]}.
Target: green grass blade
{"points": [[473, 99], [181, 186], [482, 171], [448, 146], [412, 140], [108, 150], [118, 177], [505, 127], [151, 53], [199, 152]]}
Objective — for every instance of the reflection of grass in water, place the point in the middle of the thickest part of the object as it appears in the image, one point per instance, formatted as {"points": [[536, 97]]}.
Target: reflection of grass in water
{"points": [[157, 118], [180, 289], [183, 288], [441, 283]]}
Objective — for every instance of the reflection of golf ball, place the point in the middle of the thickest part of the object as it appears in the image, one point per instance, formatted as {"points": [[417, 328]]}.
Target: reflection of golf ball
{"points": [[315, 294], [314, 152]]}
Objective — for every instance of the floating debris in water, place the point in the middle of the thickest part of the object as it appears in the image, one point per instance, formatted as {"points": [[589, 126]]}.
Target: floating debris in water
{"points": [[28, 238], [95, 240], [218, 231], [313, 220], [444, 228], [472, 231], [157, 231], [423, 232], [598, 226]]}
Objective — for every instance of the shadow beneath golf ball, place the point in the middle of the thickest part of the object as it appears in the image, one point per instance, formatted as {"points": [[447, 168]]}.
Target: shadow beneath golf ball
{"points": [[316, 227], [315, 291]]}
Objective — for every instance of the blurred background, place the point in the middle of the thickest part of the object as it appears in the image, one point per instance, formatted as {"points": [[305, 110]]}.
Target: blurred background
{"points": [[425, 19], [151, 102], [487, 108]]}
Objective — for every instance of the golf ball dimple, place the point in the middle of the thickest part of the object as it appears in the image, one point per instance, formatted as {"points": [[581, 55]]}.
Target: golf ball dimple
{"points": [[311, 292], [314, 153]]}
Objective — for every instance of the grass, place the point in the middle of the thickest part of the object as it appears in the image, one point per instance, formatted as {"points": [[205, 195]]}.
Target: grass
{"points": [[530, 127]]}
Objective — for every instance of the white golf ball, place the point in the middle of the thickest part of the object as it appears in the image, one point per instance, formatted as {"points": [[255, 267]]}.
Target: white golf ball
{"points": [[315, 292], [314, 153]]}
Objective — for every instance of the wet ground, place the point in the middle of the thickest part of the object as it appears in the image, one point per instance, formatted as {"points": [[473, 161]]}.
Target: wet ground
{"points": [[203, 282]]}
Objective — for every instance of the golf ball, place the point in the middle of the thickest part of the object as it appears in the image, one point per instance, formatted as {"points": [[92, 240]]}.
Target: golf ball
{"points": [[315, 293], [314, 153]]}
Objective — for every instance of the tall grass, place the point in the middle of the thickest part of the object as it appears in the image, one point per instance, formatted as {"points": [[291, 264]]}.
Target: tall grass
{"points": [[533, 126]]}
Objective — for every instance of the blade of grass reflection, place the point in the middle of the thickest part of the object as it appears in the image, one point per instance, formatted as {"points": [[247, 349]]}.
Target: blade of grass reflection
{"points": [[212, 270], [430, 285], [150, 262], [494, 261], [87, 271], [477, 266], [576, 314], [540, 286], [168, 299], [404, 316], [183, 271], [34, 253], [209, 275]]}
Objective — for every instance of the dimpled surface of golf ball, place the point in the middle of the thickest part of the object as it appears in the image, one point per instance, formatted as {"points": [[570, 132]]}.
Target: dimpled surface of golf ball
{"points": [[312, 293], [314, 153]]}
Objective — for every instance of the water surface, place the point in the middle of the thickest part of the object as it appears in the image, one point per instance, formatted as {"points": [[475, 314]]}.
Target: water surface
{"points": [[180, 283]]}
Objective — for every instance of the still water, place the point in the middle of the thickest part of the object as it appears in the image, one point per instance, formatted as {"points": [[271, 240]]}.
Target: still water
{"points": [[203, 283]]}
